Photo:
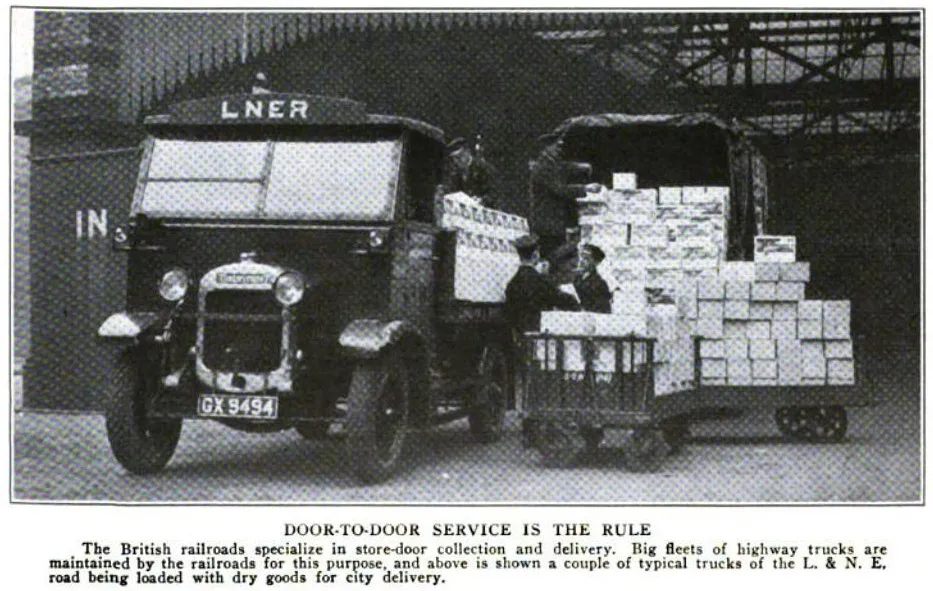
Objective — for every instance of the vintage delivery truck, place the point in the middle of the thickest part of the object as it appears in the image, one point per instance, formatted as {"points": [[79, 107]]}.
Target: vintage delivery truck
{"points": [[287, 269]]}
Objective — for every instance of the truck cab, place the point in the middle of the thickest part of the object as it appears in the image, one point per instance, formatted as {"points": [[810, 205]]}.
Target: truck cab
{"points": [[283, 272]]}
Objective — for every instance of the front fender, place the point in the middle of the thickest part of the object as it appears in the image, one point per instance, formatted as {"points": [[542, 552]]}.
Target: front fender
{"points": [[368, 338], [130, 325]]}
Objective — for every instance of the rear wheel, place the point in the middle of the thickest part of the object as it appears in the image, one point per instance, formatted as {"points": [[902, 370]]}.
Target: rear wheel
{"points": [[377, 417], [645, 450], [487, 409], [141, 444]]}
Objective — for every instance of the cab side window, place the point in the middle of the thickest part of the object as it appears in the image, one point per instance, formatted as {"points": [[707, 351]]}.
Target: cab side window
{"points": [[424, 163]]}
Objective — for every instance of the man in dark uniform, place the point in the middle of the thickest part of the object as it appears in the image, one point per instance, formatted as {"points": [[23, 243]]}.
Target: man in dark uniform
{"points": [[592, 289], [529, 292], [554, 191]]}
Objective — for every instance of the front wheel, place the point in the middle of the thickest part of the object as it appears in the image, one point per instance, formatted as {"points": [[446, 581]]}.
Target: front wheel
{"points": [[141, 444], [487, 409], [377, 417]]}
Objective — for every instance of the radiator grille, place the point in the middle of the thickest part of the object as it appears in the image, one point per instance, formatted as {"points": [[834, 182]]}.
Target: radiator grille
{"points": [[242, 331]]}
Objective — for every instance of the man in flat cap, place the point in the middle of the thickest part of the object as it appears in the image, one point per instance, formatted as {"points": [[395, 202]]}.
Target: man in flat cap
{"points": [[529, 292], [467, 171], [592, 289], [554, 191]]}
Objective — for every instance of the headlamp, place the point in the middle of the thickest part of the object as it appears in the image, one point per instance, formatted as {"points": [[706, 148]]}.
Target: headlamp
{"points": [[174, 285], [289, 289]]}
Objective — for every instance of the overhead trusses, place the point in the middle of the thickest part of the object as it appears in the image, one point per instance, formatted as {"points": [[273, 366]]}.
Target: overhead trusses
{"points": [[788, 77]]}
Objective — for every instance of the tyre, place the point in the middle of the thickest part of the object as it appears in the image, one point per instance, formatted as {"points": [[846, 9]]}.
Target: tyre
{"points": [[593, 436], [675, 431], [558, 445], [487, 409], [826, 424], [645, 451], [377, 417], [140, 444]]}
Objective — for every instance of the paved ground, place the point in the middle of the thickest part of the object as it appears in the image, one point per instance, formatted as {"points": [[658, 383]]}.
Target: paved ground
{"points": [[735, 460]]}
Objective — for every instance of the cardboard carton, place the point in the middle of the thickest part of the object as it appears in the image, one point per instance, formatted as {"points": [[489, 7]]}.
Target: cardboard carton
{"points": [[790, 363], [809, 329], [738, 290], [736, 348], [709, 327], [694, 195], [840, 371], [813, 363], [810, 309], [795, 272], [736, 309], [767, 272], [784, 330], [739, 372], [617, 325], [762, 349], [627, 181], [764, 381], [669, 195], [712, 368], [712, 349], [837, 319], [764, 368], [710, 287], [568, 323], [758, 329], [760, 311], [687, 303], [737, 271], [764, 291], [775, 249], [838, 349], [653, 235], [710, 309], [785, 311], [789, 291], [734, 329]]}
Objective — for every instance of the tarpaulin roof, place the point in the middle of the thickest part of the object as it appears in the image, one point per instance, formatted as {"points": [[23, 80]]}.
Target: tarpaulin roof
{"points": [[609, 120]]}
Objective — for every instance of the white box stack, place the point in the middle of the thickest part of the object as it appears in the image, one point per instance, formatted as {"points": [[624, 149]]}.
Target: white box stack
{"points": [[787, 339], [485, 257]]}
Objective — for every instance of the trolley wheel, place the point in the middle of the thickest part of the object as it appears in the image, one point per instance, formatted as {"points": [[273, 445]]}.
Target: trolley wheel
{"points": [[487, 414], [645, 450], [675, 430], [825, 423], [592, 437], [791, 421], [557, 444]]}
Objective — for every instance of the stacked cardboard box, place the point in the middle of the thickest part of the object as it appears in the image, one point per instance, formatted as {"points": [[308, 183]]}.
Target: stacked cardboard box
{"points": [[485, 257], [656, 237], [758, 328]]}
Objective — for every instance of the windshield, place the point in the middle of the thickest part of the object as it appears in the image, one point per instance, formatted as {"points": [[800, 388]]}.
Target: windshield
{"points": [[324, 180]]}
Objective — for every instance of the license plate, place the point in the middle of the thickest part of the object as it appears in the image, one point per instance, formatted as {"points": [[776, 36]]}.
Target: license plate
{"points": [[238, 406]]}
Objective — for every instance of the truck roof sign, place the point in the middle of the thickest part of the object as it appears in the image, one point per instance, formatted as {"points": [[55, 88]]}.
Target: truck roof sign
{"points": [[288, 109], [282, 109]]}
